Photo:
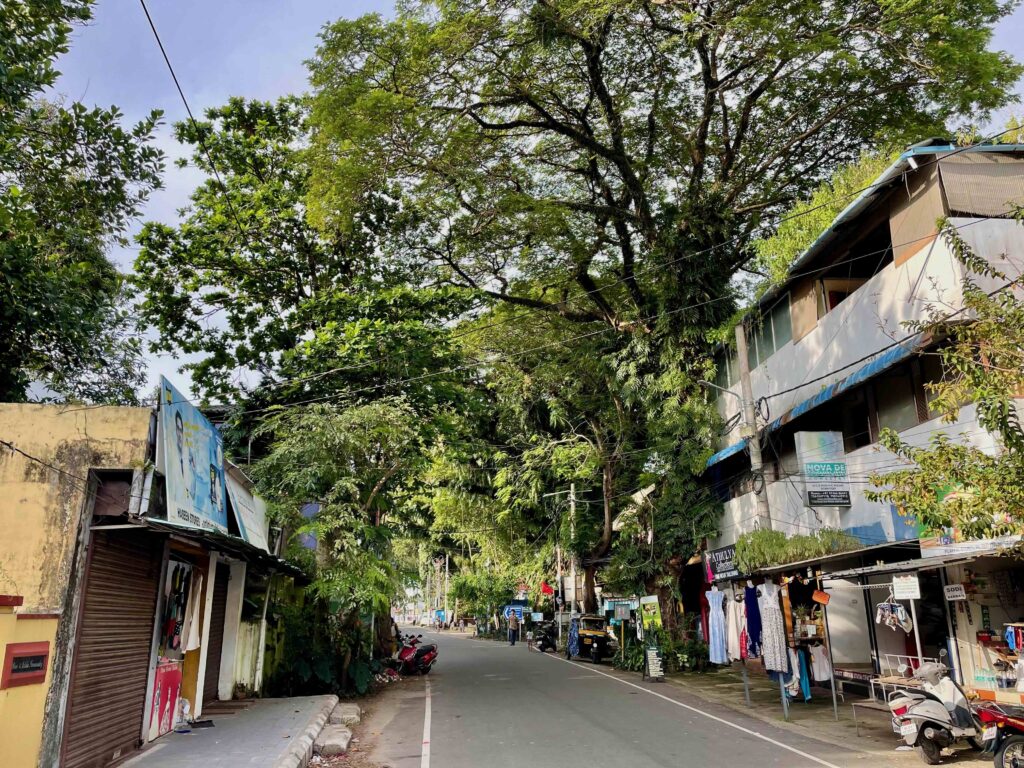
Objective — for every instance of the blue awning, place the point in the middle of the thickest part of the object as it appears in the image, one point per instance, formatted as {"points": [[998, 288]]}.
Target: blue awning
{"points": [[886, 360]]}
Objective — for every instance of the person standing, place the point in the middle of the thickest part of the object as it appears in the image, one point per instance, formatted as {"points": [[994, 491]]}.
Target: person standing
{"points": [[513, 627]]}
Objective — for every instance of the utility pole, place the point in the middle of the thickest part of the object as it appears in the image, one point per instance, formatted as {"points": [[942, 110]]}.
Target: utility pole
{"points": [[572, 536], [750, 432], [446, 587]]}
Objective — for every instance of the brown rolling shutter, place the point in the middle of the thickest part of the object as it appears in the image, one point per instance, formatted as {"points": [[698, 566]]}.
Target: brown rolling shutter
{"points": [[216, 639], [107, 698]]}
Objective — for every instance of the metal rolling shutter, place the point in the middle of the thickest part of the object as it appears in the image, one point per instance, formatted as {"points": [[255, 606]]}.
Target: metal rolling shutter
{"points": [[108, 685], [216, 639]]}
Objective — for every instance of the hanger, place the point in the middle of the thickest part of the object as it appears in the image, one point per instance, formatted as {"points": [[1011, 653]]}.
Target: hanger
{"points": [[714, 587]]}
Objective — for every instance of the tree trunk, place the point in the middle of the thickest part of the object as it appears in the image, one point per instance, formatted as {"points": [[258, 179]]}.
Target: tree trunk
{"points": [[589, 591]]}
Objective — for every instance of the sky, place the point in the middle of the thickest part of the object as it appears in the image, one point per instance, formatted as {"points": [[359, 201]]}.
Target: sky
{"points": [[223, 48]]}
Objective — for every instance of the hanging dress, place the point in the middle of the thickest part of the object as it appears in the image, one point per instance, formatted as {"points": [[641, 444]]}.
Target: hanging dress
{"points": [[821, 668], [717, 651], [735, 629], [753, 622], [773, 629]]}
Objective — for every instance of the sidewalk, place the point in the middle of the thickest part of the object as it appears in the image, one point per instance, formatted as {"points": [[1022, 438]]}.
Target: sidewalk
{"points": [[814, 719], [261, 733]]}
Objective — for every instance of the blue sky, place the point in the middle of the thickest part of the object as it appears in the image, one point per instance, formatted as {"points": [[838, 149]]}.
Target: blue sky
{"points": [[222, 48]]}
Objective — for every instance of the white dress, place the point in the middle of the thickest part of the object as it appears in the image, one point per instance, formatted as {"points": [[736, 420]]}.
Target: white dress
{"points": [[773, 630], [821, 669], [735, 622]]}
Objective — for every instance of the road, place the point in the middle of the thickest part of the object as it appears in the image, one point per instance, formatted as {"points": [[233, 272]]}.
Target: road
{"points": [[488, 704]]}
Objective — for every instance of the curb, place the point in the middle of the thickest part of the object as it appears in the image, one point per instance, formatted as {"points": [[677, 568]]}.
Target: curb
{"points": [[301, 749]]}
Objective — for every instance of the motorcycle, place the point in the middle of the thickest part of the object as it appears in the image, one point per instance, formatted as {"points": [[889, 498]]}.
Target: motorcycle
{"points": [[414, 657], [1003, 734], [934, 716], [544, 637]]}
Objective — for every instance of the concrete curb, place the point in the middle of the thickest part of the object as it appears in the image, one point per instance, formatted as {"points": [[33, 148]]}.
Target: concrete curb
{"points": [[301, 749]]}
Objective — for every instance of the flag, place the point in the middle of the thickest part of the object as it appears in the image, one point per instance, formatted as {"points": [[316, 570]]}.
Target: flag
{"points": [[546, 589]]}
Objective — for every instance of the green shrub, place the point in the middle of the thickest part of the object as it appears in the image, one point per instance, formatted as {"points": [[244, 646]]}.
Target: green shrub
{"points": [[764, 548]]}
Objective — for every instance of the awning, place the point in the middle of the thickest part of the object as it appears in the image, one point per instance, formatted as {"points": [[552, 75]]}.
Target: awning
{"points": [[222, 542], [906, 566], [884, 361]]}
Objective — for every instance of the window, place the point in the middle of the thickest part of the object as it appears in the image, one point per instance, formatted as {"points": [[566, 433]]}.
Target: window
{"points": [[773, 331], [895, 402], [931, 373], [727, 369]]}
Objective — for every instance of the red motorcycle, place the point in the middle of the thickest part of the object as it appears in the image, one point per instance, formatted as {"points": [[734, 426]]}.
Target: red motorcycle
{"points": [[1003, 734], [414, 657]]}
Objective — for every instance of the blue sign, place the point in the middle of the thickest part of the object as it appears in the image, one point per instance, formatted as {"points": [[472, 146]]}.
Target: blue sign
{"points": [[516, 609]]}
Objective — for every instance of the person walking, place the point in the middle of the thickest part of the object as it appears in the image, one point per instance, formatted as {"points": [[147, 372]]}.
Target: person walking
{"points": [[513, 627]]}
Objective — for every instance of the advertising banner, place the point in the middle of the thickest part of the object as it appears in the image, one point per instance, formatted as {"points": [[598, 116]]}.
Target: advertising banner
{"points": [[650, 612], [722, 563], [193, 462], [822, 460], [250, 510]]}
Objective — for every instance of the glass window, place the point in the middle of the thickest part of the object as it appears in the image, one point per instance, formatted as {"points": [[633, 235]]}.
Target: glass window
{"points": [[931, 373], [722, 370], [765, 340], [782, 324], [894, 399]]}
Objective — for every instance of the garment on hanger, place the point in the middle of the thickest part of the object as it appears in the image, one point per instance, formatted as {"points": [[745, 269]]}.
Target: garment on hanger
{"points": [[735, 629], [894, 615], [717, 651], [192, 621], [773, 629], [821, 668], [753, 622], [805, 673]]}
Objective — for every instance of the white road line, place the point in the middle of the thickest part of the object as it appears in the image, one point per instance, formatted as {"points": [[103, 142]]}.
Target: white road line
{"points": [[425, 758], [701, 712]]}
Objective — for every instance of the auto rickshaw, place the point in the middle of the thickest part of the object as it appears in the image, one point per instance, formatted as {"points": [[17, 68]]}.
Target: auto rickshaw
{"points": [[589, 637]]}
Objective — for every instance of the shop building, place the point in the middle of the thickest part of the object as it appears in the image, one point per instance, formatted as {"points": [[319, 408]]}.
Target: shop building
{"points": [[833, 361], [114, 613]]}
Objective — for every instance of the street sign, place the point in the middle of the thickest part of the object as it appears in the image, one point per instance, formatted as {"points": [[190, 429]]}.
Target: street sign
{"points": [[510, 609], [905, 586], [955, 592], [536, 617], [621, 611]]}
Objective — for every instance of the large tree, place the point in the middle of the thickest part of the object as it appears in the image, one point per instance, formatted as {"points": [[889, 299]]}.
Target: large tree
{"points": [[71, 181], [599, 149]]}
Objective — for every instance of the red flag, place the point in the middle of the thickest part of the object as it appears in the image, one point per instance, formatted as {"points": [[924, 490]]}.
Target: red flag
{"points": [[546, 589]]}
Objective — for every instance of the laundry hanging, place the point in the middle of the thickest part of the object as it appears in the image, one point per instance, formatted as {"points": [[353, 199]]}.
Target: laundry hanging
{"points": [[893, 615]]}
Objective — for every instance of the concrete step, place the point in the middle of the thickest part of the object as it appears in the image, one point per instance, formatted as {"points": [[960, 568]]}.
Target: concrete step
{"points": [[333, 740], [346, 713]]}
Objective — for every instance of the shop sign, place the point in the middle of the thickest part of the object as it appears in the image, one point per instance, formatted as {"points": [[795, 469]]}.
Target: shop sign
{"points": [[654, 669], [650, 612], [955, 592], [192, 459], [536, 617], [905, 586], [621, 611], [722, 563], [250, 510], [949, 545], [822, 460]]}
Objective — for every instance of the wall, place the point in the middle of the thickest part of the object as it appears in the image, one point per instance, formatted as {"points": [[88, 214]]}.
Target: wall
{"points": [[232, 631], [42, 503], [863, 517], [21, 707]]}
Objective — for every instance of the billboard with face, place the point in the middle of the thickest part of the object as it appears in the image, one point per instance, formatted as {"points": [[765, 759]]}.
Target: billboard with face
{"points": [[193, 463]]}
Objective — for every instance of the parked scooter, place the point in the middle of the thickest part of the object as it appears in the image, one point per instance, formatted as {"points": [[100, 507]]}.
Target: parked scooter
{"points": [[1003, 734], [544, 638], [414, 657], [934, 716]]}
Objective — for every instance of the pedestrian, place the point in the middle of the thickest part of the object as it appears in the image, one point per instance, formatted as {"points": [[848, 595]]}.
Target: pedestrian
{"points": [[529, 639], [513, 628]]}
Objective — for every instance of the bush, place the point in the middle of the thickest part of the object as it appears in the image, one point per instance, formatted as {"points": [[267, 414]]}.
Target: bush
{"points": [[764, 548]]}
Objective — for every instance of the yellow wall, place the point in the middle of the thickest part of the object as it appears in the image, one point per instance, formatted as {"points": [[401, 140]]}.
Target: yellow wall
{"points": [[40, 510], [40, 507], [21, 708]]}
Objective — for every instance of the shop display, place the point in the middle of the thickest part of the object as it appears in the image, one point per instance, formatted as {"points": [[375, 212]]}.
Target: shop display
{"points": [[821, 668], [773, 629], [753, 611], [735, 628], [717, 650]]}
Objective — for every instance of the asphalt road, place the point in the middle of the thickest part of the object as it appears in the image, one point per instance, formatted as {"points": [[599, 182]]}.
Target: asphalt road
{"points": [[488, 704]]}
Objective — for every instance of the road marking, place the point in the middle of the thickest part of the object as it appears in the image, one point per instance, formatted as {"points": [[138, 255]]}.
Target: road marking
{"points": [[721, 720], [425, 758]]}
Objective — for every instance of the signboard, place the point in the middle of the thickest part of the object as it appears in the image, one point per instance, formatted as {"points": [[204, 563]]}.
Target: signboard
{"points": [[193, 461], [650, 612], [653, 667], [250, 511], [510, 609], [536, 617], [622, 611], [822, 460], [905, 586], [722, 563], [955, 592], [948, 545]]}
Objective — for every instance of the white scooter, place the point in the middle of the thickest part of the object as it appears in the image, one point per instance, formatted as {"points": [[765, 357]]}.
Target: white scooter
{"points": [[934, 716]]}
